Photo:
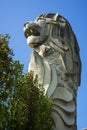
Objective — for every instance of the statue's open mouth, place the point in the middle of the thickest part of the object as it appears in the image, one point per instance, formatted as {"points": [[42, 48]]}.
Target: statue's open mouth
{"points": [[34, 36], [31, 32]]}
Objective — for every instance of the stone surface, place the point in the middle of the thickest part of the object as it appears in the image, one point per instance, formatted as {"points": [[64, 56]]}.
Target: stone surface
{"points": [[55, 58]]}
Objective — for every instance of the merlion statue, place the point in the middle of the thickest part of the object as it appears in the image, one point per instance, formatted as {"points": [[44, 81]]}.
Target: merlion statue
{"points": [[56, 61]]}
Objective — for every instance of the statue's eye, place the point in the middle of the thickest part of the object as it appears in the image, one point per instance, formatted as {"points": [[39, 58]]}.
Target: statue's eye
{"points": [[62, 32]]}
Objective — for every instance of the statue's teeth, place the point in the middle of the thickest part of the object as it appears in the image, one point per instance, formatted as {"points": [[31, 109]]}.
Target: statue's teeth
{"points": [[31, 31]]}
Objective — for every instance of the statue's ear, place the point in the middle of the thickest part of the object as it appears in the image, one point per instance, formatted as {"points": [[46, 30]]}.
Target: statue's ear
{"points": [[55, 17]]}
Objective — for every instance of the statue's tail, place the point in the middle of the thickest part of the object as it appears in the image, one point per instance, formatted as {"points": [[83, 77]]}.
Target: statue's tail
{"points": [[63, 109]]}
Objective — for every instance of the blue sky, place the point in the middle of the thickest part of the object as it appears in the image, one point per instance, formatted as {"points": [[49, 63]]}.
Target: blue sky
{"points": [[13, 14]]}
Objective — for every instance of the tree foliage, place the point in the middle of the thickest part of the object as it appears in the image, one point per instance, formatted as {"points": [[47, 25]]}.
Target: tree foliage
{"points": [[23, 105], [39, 106]]}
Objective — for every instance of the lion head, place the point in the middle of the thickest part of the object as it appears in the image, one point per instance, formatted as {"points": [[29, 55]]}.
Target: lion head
{"points": [[50, 33]]}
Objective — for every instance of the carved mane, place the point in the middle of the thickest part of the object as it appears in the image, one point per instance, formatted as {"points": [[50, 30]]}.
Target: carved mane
{"points": [[66, 40]]}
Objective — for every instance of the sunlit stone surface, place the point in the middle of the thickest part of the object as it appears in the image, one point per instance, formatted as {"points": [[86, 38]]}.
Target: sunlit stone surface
{"points": [[55, 58]]}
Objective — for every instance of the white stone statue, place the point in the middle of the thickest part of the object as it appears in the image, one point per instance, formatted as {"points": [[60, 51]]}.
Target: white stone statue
{"points": [[56, 61]]}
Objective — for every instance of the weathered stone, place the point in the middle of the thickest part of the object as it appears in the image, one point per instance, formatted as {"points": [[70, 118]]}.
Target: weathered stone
{"points": [[55, 58]]}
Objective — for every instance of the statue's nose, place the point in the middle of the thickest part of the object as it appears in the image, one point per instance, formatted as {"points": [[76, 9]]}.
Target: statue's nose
{"points": [[25, 24]]}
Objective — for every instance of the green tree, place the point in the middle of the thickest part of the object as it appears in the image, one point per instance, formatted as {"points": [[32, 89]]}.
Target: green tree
{"points": [[23, 105], [39, 106], [11, 80]]}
